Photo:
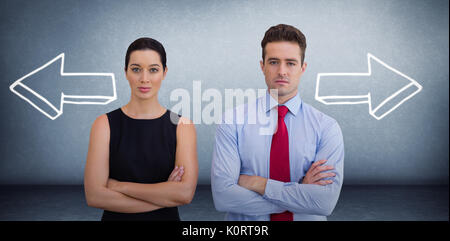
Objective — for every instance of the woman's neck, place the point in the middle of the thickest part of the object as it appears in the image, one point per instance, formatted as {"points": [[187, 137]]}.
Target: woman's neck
{"points": [[144, 109]]}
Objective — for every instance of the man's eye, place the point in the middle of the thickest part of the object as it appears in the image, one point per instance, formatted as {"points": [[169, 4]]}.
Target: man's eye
{"points": [[291, 64], [273, 62], [136, 70]]}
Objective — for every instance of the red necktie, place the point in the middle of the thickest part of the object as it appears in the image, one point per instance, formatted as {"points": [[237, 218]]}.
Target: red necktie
{"points": [[279, 160]]}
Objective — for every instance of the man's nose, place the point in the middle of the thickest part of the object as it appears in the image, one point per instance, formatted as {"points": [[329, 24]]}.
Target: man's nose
{"points": [[282, 70]]}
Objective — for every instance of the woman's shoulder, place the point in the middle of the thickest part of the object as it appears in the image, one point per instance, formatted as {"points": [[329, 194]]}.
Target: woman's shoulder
{"points": [[102, 121], [114, 113], [185, 126], [100, 127], [178, 119], [184, 121]]}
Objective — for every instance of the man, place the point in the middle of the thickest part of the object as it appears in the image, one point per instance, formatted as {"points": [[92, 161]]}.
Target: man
{"points": [[297, 172]]}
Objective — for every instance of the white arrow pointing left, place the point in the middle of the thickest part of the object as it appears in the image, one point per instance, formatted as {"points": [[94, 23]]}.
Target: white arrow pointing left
{"points": [[95, 88]]}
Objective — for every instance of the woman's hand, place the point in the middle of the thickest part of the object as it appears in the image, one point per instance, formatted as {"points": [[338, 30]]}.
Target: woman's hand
{"points": [[176, 174]]}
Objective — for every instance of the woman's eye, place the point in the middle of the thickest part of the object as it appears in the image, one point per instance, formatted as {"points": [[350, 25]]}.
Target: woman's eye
{"points": [[153, 70], [136, 70]]}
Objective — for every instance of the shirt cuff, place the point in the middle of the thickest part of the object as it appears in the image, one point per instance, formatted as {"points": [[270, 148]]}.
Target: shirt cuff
{"points": [[274, 189]]}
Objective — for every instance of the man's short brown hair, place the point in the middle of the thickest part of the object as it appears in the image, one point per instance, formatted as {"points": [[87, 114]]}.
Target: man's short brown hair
{"points": [[284, 32]]}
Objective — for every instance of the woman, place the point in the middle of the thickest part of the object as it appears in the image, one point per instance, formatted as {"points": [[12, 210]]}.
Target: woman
{"points": [[142, 158]]}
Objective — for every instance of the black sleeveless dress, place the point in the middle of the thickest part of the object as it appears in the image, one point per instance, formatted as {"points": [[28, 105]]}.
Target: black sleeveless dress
{"points": [[142, 151]]}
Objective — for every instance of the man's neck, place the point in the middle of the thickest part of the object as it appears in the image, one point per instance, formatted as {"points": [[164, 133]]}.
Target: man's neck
{"points": [[284, 98]]}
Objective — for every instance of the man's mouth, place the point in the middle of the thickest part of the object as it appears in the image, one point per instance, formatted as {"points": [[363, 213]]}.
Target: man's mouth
{"points": [[144, 89], [281, 81]]}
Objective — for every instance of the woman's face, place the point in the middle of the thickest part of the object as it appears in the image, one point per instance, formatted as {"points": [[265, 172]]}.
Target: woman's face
{"points": [[145, 73]]}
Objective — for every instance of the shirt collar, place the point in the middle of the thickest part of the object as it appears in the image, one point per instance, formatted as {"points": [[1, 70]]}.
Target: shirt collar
{"points": [[293, 104]]}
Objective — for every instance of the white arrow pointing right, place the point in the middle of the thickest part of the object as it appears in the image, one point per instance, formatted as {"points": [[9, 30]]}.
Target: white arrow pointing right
{"points": [[340, 89]]}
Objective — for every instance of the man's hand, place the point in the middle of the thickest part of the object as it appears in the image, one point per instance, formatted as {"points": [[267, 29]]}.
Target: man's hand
{"points": [[253, 183], [316, 173]]}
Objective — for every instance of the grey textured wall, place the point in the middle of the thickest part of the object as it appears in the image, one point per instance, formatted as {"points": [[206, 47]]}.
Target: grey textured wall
{"points": [[218, 42]]}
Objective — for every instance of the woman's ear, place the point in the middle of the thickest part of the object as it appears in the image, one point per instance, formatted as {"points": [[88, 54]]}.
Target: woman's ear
{"points": [[165, 71]]}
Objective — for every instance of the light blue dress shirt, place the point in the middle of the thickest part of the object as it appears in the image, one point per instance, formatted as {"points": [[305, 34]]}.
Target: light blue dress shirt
{"points": [[241, 147]]}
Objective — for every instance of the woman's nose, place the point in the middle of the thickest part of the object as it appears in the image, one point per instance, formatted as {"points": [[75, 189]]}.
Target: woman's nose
{"points": [[145, 77]]}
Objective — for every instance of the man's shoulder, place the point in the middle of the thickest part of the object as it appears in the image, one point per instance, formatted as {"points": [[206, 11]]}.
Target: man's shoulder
{"points": [[317, 117], [240, 113]]}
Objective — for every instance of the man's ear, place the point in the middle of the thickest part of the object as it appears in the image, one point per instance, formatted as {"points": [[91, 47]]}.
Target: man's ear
{"points": [[304, 66], [261, 63]]}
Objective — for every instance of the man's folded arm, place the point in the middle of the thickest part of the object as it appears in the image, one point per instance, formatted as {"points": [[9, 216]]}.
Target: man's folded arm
{"points": [[311, 198], [228, 196]]}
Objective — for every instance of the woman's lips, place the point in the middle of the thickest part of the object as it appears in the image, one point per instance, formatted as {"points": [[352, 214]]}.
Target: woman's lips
{"points": [[144, 89]]}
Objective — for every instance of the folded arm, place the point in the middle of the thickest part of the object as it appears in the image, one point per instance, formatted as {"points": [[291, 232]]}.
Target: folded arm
{"points": [[96, 175], [228, 196], [319, 198], [171, 193]]}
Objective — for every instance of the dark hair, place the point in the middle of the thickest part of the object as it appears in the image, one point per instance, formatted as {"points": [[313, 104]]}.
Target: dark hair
{"points": [[146, 43], [284, 32]]}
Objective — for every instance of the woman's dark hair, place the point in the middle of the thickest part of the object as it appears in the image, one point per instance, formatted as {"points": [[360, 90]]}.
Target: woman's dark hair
{"points": [[146, 43]]}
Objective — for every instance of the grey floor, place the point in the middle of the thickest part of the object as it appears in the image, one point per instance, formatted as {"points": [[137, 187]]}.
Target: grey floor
{"points": [[365, 203]]}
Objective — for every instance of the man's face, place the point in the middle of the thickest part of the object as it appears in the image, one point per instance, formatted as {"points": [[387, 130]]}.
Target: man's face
{"points": [[282, 68]]}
